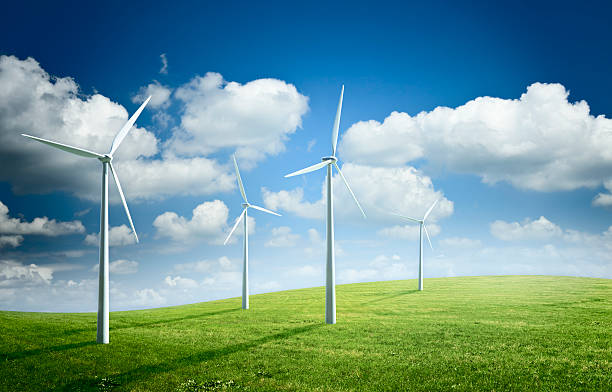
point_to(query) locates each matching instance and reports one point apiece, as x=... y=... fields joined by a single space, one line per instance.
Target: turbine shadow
x=400 y=294
x=27 y=353
x=150 y=323
x=147 y=370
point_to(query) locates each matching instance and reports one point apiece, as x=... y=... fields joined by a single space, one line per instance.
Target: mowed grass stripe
x=467 y=333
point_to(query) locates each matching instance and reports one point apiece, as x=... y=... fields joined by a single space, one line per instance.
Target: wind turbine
x=103 y=294
x=245 y=265
x=422 y=226
x=330 y=285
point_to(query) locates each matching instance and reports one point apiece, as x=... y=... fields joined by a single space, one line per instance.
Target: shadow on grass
x=400 y=294
x=36 y=351
x=119 y=324
x=148 y=370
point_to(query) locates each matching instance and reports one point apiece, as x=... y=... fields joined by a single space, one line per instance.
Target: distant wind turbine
x=245 y=266
x=330 y=286
x=103 y=294
x=422 y=226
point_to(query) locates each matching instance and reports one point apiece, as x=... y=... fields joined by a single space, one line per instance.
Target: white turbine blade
x=264 y=210
x=309 y=169
x=234 y=228
x=337 y=123
x=126 y=128
x=125 y=206
x=429 y=210
x=239 y=180
x=350 y=190
x=65 y=147
x=427 y=234
x=406 y=217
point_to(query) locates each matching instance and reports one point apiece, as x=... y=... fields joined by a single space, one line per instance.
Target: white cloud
x=160 y=95
x=164 y=60
x=10 y=240
x=282 y=237
x=181 y=283
x=409 y=231
x=540 y=141
x=380 y=190
x=15 y=273
x=36 y=103
x=120 y=267
x=117 y=236
x=208 y=223
x=604 y=199
x=255 y=118
x=205 y=266
x=147 y=298
x=266 y=287
x=38 y=226
x=540 y=229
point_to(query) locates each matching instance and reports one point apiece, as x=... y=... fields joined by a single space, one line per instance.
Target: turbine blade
x=240 y=180
x=125 y=206
x=264 y=210
x=406 y=217
x=337 y=123
x=65 y=147
x=234 y=228
x=126 y=128
x=427 y=234
x=350 y=190
x=429 y=210
x=309 y=169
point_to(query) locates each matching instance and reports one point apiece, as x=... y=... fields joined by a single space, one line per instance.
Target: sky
x=500 y=111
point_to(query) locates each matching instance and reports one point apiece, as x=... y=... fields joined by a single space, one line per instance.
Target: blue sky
x=503 y=111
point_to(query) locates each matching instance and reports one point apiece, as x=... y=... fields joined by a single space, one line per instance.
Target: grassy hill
x=474 y=333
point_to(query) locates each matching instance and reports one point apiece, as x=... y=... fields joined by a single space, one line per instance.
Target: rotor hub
x=245 y=205
x=106 y=158
x=330 y=158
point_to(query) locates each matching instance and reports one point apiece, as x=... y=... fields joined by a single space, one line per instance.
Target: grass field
x=460 y=334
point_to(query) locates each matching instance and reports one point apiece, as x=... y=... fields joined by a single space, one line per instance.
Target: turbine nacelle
x=330 y=159
x=106 y=158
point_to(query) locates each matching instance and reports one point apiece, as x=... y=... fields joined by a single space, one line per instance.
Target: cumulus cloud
x=34 y=102
x=540 y=229
x=380 y=190
x=604 y=199
x=205 y=266
x=409 y=231
x=117 y=236
x=208 y=223
x=540 y=141
x=16 y=274
x=255 y=118
x=282 y=237
x=160 y=95
x=182 y=283
x=10 y=240
x=120 y=267
x=38 y=226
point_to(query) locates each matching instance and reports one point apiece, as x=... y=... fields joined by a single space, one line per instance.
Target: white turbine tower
x=103 y=296
x=245 y=266
x=422 y=226
x=330 y=285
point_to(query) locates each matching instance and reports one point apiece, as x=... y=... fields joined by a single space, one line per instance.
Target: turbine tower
x=245 y=265
x=422 y=226
x=330 y=272
x=106 y=159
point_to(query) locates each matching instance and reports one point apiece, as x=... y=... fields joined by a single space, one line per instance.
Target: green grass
x=474 y=333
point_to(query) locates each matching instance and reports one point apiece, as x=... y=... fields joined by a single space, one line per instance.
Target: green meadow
x=496 y=333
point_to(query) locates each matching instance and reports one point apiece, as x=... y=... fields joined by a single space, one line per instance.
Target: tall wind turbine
x=422 y=226
x=330 y=285
x=106 y=159
x=245 y=266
